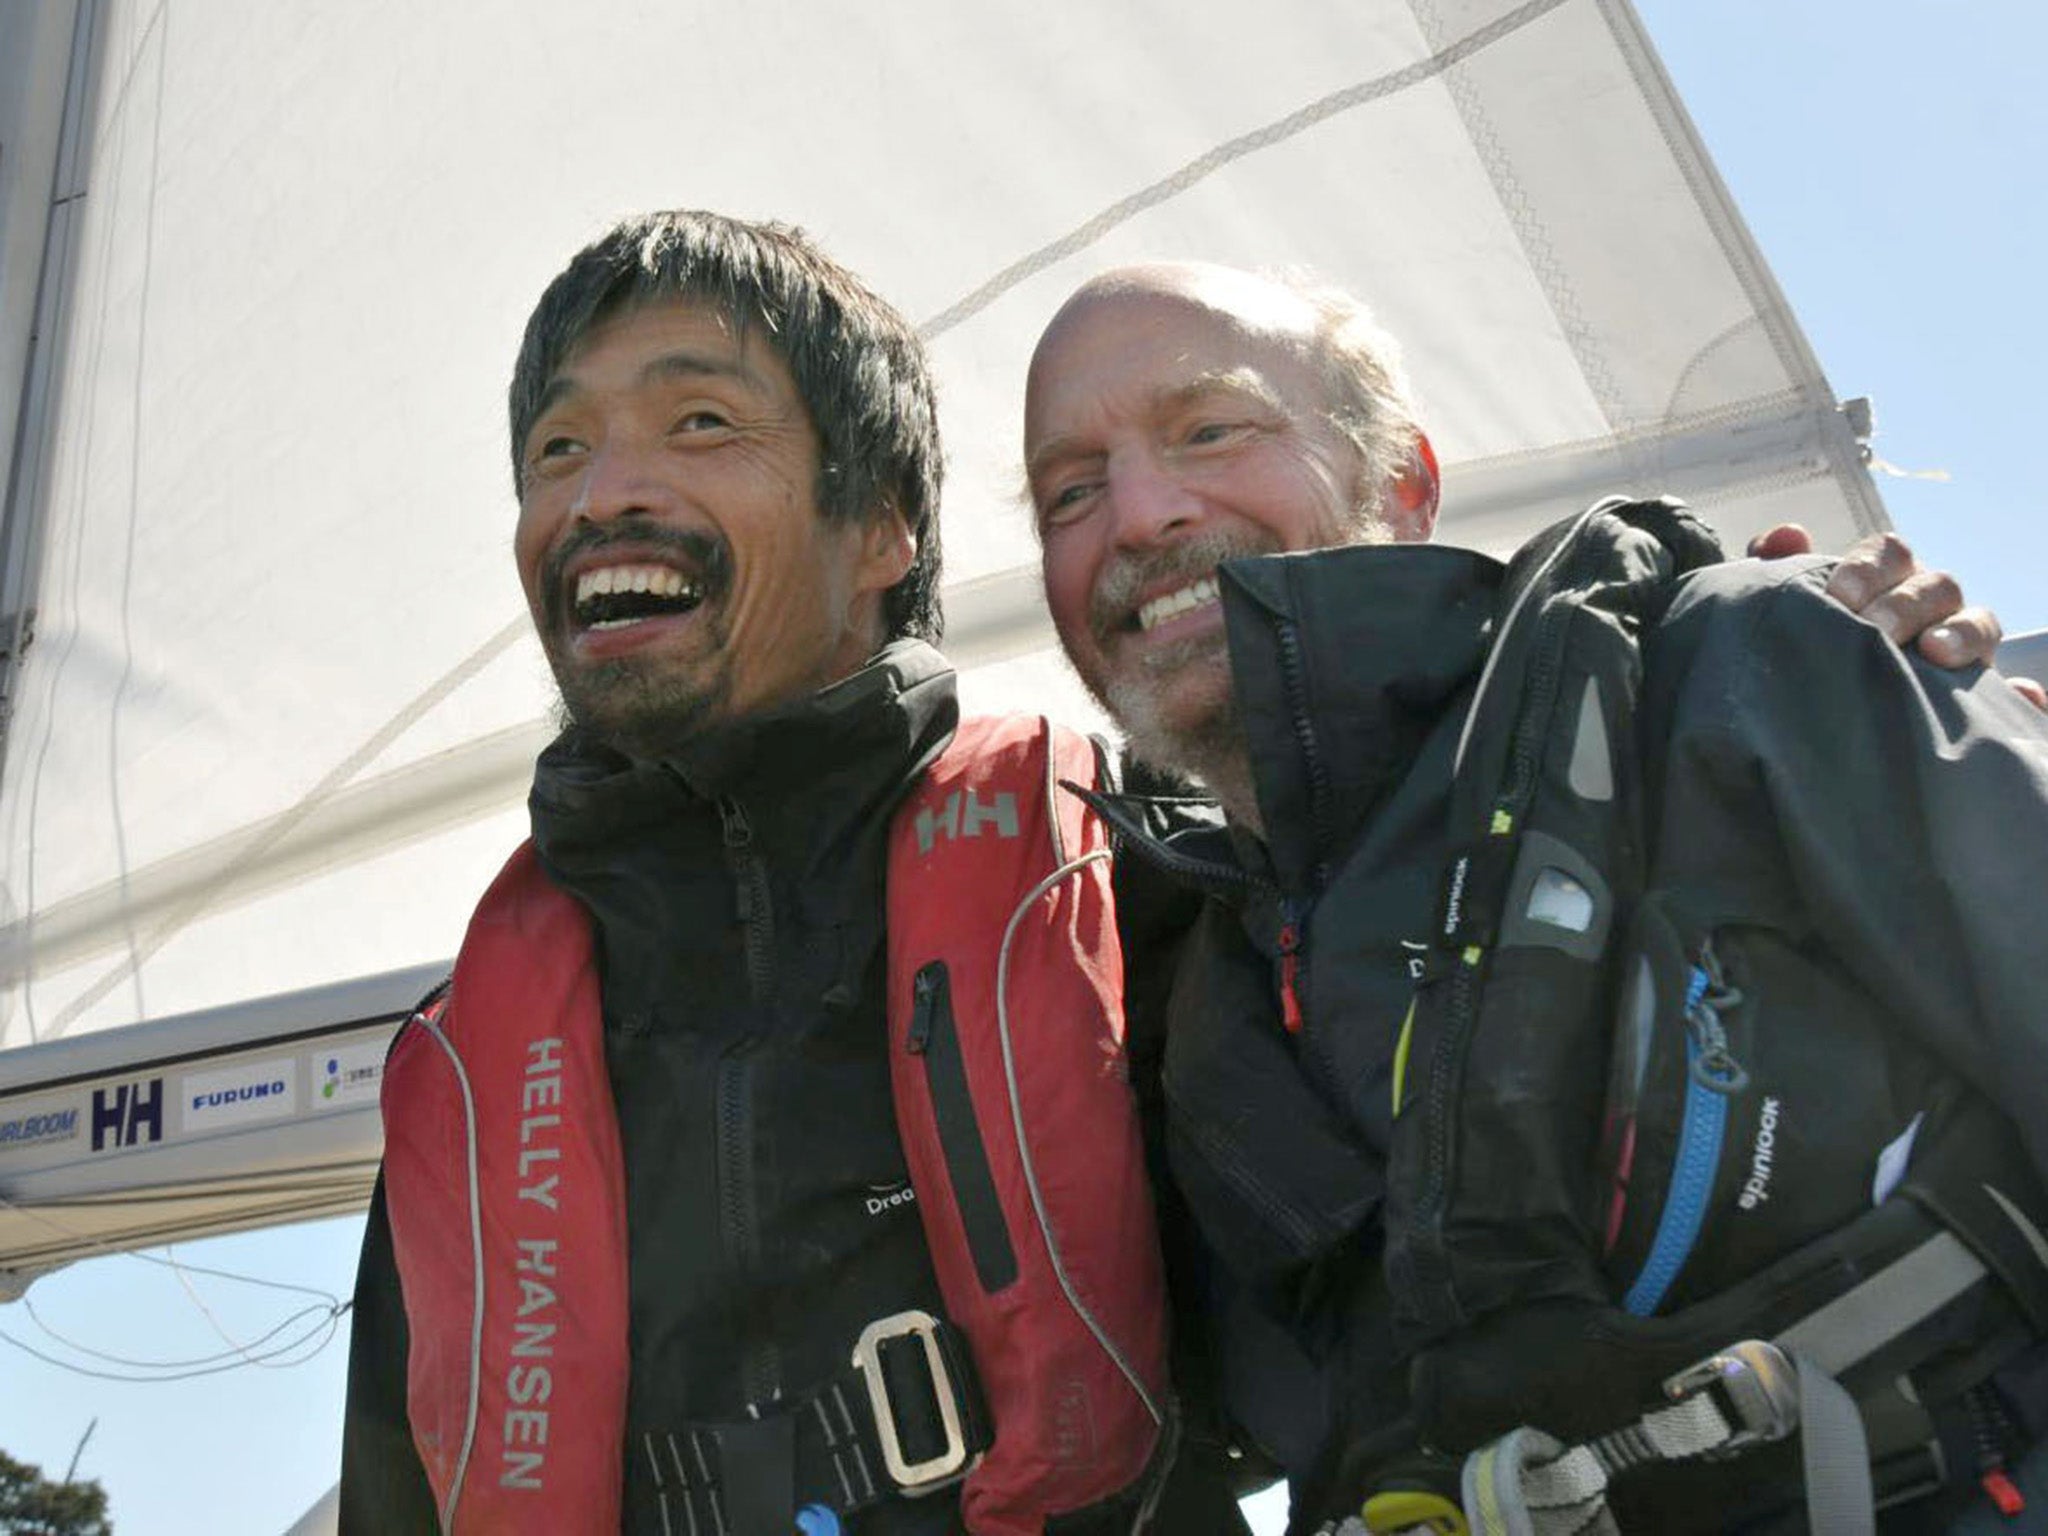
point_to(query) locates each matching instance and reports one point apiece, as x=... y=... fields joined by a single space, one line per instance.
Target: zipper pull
x=1993 y=1432
x=2004 y=1493
x=1290 y=971
x=732 y=824
x=738 y=837
x=1707 y=993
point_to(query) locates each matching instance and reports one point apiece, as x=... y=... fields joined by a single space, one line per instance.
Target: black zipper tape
x=934 y=1036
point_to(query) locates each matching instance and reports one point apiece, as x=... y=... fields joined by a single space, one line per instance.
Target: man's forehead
x=654 y=318
x=676 y=338
x=1229 y=297
x=1153 y=337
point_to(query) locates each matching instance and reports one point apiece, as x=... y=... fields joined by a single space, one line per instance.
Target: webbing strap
x=1892 y=1302
x=1834 y=1456
x=826 y=1448
x=1528 y=1483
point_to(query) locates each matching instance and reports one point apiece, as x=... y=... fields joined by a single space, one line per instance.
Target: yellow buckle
x=1411 y=1510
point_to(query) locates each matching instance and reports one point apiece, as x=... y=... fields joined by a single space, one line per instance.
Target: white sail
x=272 y=727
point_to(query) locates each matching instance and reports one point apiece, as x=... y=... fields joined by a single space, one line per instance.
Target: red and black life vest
x=506 y=1188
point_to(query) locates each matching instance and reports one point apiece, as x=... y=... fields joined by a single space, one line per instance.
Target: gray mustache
x=1115 y=597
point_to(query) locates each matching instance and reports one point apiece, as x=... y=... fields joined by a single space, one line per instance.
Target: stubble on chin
x=644 y=712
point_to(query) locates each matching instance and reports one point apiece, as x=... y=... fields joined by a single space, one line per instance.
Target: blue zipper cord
x=1700 y=1136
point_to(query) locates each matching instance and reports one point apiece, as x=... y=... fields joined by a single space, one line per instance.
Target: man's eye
x=699 y=421
x=556 y=447
x=1208 y=433
x=1067 y=502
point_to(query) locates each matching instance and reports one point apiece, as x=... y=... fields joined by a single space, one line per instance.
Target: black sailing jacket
x=738 y=900
x=1807 y=763
x=736 y=893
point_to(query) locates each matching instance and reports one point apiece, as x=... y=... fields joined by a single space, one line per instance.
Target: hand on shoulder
x=1880 y=579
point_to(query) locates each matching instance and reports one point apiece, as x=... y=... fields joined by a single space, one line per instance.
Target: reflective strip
x=476 y=1244
x=1591 y=773
x=1052 y=1246
x=1401 y=1054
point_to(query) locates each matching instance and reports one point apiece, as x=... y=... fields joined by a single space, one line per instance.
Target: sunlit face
x=1171 y=421
x=670 y=543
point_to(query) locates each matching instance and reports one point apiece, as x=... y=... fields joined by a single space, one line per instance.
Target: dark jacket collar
x=1343 y=661
x=808 y=774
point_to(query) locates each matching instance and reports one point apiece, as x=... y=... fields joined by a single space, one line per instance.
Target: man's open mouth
x=614 y=596
x=1171 y=605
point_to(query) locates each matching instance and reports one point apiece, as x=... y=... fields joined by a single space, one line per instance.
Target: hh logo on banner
x=130 y=1115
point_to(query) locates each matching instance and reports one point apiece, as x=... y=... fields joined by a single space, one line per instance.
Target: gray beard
x=1211 y=750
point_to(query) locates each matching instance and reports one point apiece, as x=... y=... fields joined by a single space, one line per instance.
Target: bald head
x=1261 y=304
x=1365 y=390
x=1181 y=414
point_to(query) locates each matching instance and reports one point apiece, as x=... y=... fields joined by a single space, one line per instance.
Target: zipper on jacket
x=760 y=1366
x=1992 y=1431
x=1418 y=1267
x=935 y=1036
x=760 y=1361
x=1294 y=681
x=1293 y=912
x=750 y=893
x=1422 y=1266
x=1290 y=969
x=1133 y=834
x=1545 y=673
x=1712 y=1076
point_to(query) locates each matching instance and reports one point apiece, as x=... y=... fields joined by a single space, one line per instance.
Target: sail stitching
x=1207 y=164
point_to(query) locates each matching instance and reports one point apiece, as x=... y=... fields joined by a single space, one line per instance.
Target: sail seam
x=1207 y=164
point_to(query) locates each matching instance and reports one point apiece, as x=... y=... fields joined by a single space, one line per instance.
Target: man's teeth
x=656 y=580
x=1160 y=609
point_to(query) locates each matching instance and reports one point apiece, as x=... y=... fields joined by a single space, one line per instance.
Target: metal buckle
x=951 y=1464
x=1757 y=1384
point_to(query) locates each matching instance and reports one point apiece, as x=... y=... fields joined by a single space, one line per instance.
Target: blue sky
x=1886 y=154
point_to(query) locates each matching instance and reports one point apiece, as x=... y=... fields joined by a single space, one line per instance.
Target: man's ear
x=1412 y=495
x=886 y=550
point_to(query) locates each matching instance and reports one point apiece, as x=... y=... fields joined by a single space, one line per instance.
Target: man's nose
x=618 y=481
x=1148 y=502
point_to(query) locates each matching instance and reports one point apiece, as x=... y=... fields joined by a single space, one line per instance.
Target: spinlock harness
x=1043 y=1392
x=1541 y=1309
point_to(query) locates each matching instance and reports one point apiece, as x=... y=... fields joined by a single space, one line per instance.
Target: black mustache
x=706 y=555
